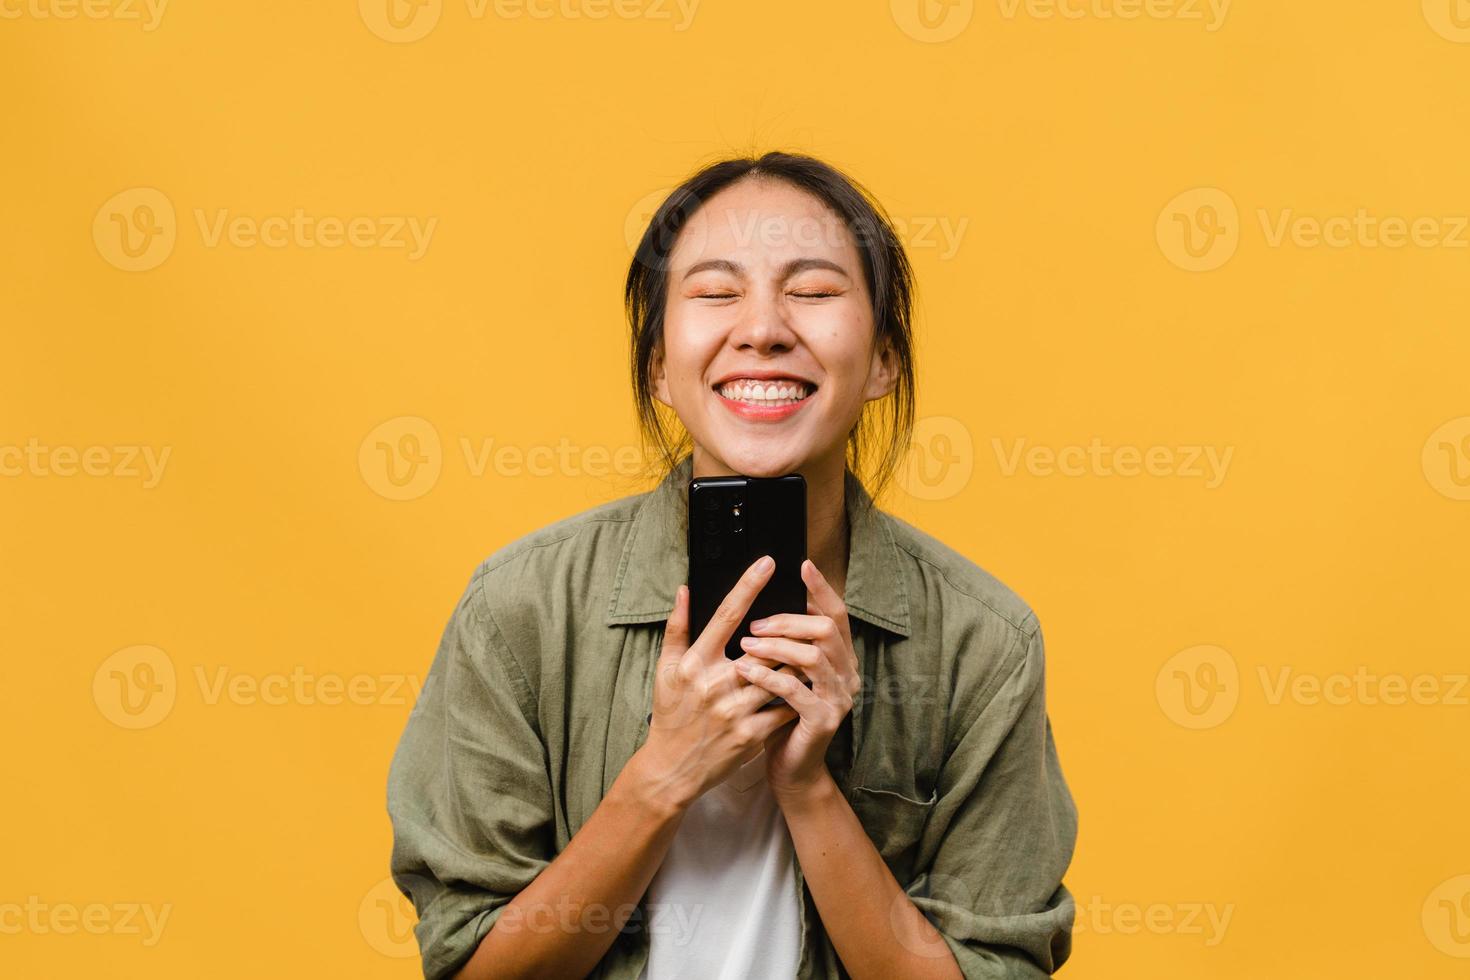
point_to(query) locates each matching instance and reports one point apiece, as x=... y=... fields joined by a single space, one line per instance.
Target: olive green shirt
x=541 y=690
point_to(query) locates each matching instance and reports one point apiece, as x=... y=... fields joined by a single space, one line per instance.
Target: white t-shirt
x=725 y=904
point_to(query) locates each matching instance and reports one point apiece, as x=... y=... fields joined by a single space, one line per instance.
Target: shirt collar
x=655 y=562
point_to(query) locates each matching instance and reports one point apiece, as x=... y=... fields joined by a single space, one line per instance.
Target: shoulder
x=564 y=542
x=567 y=552
x=955 y=583
x=968 y=627
x=536 y=591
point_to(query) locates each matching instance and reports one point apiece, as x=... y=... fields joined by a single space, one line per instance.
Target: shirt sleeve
x=1002 y=829
x=469 y=794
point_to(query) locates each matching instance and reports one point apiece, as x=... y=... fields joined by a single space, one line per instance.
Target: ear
x=657 y=377
x=882 y=372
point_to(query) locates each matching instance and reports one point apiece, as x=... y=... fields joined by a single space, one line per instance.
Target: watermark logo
x=1208 y=464
x=1199 y=230
x=36 y=459
x=1446 y=458
x=1198 y=687
x=676 y=920
x=406 y=21
x=679 y=13
x=1362 y=687
x=400 y=21
x=940 y=460
x=939 y=234
x=932 y=21
x=1446 y=917
x=1211 y=13
x=386 y=919
x=135 y=687
x=37 y=917
x=1450 y=19
x=640 y=216
x=135 y=229
x=303 y=230
x=636 y=221
x=1363 y=229
x=147 y=13
x=1201 y=686
x=937 y=889
x=402 y=458
x=1208 y=921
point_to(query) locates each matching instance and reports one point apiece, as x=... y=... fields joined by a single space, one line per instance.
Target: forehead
x=760 y=222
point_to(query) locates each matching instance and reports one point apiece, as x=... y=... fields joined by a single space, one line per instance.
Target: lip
x=767 y=375
x=763 y=413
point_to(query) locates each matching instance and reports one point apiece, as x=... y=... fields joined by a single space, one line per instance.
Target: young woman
x=584 y=789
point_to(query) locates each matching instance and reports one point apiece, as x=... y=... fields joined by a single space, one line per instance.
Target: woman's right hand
x=707 y=719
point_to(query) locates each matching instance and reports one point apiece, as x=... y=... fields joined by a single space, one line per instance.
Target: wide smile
x=765 y=399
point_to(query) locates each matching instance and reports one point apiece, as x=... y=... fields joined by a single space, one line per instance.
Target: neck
x=826 y=509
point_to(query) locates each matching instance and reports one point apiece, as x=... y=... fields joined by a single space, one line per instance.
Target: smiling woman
x=585 y=789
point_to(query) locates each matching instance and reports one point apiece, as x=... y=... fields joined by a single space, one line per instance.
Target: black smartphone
x=733 y=520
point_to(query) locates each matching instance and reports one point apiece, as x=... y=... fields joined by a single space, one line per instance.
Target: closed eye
x=801 y=295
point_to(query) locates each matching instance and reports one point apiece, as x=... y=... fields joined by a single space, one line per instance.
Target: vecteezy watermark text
x=123 y=462
x=136 y=230
x=138 y=686
x=1207 y=463
x=148 y=13
x=37 y=917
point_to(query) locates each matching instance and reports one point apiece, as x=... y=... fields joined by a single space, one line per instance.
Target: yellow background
x=1053 y=148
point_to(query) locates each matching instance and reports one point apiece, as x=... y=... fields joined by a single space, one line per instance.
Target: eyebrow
x=787 y=271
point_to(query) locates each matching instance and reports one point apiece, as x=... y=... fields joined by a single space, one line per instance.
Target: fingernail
x=749 y=642
x=765 y=563
x=757 y=625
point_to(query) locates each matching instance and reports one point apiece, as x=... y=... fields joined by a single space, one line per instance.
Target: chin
x=755 y=460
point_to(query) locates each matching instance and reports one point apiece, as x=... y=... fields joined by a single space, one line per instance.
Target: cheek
x=841 y=340
x=687 y=353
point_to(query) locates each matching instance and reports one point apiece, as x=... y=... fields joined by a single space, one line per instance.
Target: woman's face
x=768 y=353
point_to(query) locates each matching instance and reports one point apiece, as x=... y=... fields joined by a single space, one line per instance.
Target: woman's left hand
x=819 y=645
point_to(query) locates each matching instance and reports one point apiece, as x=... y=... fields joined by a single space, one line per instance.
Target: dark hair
x=885 y=266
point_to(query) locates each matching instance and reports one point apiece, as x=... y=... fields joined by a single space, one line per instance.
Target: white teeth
x=768 y=393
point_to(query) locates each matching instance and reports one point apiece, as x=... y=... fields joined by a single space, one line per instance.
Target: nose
x=763 y=326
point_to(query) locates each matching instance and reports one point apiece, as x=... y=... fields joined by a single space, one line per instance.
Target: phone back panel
x=733 y=520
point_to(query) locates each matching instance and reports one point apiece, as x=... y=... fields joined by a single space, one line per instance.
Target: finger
x=825 y=597
x=676 y=630
x=732 y=609
x=670 y=705
x=763 y=723
x=751 y=695
x=763 y=661
x=806 y=657
x=797 y=626
x=797 y=694
x=824 y=635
